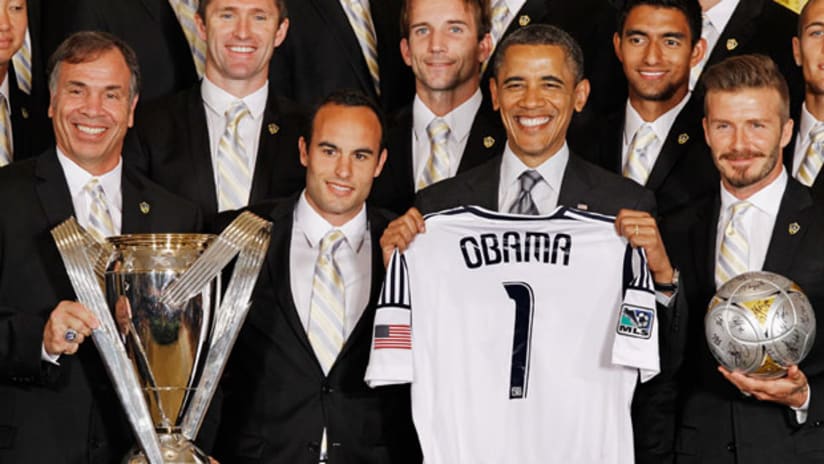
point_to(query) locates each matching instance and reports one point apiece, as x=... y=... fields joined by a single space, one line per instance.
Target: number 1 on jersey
x=521 y=294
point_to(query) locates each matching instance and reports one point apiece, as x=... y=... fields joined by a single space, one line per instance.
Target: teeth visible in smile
x=242 y=49
x=340 y=188
x=90 y=130
x=652 y=74
x=530 y=122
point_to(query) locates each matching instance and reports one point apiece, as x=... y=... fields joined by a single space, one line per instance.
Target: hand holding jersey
x=641 y=229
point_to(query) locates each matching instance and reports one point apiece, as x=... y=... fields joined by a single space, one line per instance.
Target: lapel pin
x=582 y=206
x=524 y=20
x=145 y=207
x=25 y=112
x=794 y=228
x=683 y=138
x=273 y=128
x=732 y=44
x=489 y=141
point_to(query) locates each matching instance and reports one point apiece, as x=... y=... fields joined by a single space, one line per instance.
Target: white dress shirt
x=545 y=193
x=661 y=127
x=354 y=258
x=719 y=15
x=803 y=139
x=216 y=102
x=459 y=121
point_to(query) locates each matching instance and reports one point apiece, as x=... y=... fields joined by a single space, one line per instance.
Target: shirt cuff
x=801 y=412
x=52 y=359
x=663 y=298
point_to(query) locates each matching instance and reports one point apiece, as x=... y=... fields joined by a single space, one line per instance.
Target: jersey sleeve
x=636 y=338
x=390 y=360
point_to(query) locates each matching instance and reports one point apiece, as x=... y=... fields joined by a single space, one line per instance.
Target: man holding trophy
x=56 y=401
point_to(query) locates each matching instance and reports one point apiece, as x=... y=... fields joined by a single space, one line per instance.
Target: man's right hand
x=67 y=315
x=400 y=233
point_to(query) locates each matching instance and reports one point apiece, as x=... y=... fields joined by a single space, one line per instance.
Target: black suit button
x=818 y=423
x=313 y=447
x=94 y=444
x=327 y=389
x=731 y=447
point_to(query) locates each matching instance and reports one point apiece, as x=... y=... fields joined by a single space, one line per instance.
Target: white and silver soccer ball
x=759 y=323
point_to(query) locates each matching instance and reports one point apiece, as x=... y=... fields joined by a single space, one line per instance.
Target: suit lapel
x=401 y=164
x=790 y=228
x=486 y=140
x=482 y=185
x=685 y=130
x=52 y=188
x=574 y=185
x=532 y=10
x=137 y=216
x=268 y=148
x=739 y=30
x=703 y=237
x=201 y=155
x=613 y=138
x=153 y=7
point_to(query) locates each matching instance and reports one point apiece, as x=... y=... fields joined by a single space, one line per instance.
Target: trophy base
x=176 y=449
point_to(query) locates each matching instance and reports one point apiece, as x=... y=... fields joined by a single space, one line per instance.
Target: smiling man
x=227 y=141
x=294 y=390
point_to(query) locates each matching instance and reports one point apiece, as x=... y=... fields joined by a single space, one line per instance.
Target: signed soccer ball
x=759 y=323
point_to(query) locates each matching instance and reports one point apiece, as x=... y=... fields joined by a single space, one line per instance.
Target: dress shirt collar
x=219 y=101
x=4 y=87
x=315 y=227
x=720 y=15
x=459 y=120
x=77 y=177
x=552 y=170
x=767 y=200
x=661 y=126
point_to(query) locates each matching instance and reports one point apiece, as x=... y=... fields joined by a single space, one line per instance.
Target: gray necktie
x=525 y=204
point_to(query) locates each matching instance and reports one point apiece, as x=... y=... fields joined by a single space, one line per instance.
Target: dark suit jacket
x=684 y=171
x=394 y=189
x=170 y=144
x=718 y=424
x=65 y=414
x=321 y=53
x=150 y=27
x=817 y=189
x=277 y=399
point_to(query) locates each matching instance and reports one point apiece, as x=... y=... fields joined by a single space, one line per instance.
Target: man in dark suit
x=803 y=156
x=448 y=128
x=191 y=142
x=56 y=402
x=294 y=390
x=657 y=139
x=323 y=53
x=731 y=417
x=150 y=27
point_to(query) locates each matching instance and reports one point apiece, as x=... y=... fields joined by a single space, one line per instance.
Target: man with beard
x=761 y=219
x=656 y=139
x=448 y=128
x=805 y=154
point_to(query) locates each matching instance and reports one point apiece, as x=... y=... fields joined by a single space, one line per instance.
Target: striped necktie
x=185 y=11
x=734 y=252
x=637 y=164
x=21 y=61
x=360 y=18
x=327 y=304
x=100 y=223
x=437 y=166
x=710 y=34
x=525 y=204
x=234 y=175
x=5 y=133
x=500 y=19
x=814 y=158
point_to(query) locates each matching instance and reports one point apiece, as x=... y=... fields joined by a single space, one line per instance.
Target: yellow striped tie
x=185 y=11
x=437 y=166
x=360 y=18
x=234 y=174
x=5 y=133
x=100 y=223
x=637 y=164
x=500 y=16
x=813 y=158
x=733 y=254
x=21 y=61
x=326 y=310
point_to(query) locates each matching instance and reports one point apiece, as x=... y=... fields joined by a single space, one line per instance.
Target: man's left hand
x=790 y=390
x=640 y=228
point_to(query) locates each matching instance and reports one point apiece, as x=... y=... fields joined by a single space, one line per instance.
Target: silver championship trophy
x=165 y=334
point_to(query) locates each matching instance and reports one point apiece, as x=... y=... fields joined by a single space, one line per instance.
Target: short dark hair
x=85 y=46
x=483 y=17
x=691 y=9
x=543 y=34
x=747 y=72
x=349 y=98
x=283 y=12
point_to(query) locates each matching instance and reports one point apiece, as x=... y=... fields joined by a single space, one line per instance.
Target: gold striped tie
x=499 y=15
x=5 y=133
x=100 y=223
x=437 y=166
x=327 y=304
x=814 y=158
x=21 y=61
x=734 y=252
x=185 y=11
x=234 y=174
x=360 y=18
x=637 y=165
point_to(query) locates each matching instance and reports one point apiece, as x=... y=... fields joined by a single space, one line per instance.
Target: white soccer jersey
x=523 y=337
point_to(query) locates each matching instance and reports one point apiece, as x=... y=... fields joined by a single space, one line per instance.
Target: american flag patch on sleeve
x=393 y=336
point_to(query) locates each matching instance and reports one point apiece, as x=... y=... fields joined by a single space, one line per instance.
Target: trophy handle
x=82 y=256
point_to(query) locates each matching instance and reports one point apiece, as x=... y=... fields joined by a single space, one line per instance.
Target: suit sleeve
x=21 y=339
